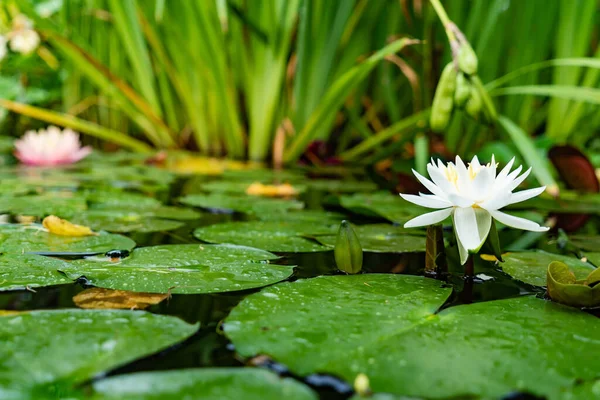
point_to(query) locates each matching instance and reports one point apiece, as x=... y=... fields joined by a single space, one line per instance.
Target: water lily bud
x=463 y=90
x=361 y=385
x=443 y=100
x=467 y=59
x=348 y=251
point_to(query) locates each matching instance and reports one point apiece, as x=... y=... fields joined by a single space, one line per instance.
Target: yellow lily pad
x=282 y=190
x=63 y=227
x=100 y=298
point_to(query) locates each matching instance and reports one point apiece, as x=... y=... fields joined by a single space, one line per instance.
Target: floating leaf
x=26 y=271
x=62 y=227
x=16 y=238
x=381 y=204
x=383 y=238
x=118 y=199
x=206 y=383
x=99 y=298
x=532 y=266
x=386 y=327
x=62 y=204
x=125 y=221
x=280 y=236
x=341 y=186
x=185 y=268
x=586 y=242
x=278 y=190
x=322 y=217
x=243 y=204
x=568 y=203
x=564 y=288
x=45 y=353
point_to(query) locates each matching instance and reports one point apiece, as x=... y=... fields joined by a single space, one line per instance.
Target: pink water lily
x=473 y=196
x=51 y=146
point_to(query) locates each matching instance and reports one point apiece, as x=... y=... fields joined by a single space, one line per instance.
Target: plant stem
x=441 y=13
x=469 y=268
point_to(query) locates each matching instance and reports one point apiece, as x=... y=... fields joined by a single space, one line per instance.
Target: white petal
x=429 y=218
x=497 y=201
x=462 y=252
x=440 y=179
x=472 y=226
x=464 y=181
x=493 y=166
x=429 y=201
x=525 y=195
x=482 y=183
x=519 y=180
x=460 y=201
x=429 y=185
x=475 y=163
x=517 y=222
x=504 y=172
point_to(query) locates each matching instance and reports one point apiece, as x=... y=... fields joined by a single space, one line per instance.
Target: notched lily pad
x=565 y=288
x=531 y=266
x=243 y=204
x=17 y=238
x=382 y=238
x=205 y=383
x=186 y=269
x=48 y=352
x=280 y=236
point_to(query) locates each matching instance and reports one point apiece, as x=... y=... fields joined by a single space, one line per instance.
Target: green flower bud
x=463 y=90
x=348 y=251
x=467 y=59
x=443 y=101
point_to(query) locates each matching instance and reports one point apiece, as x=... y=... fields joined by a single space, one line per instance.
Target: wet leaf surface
x=383 y=238
x=125 y=221
x=242 y=204
x=19 y=239
x=207 y=383
x=532 y=266
x=279 y=236
x=62 y=204
x=385 y=326
x=28 y=271
x=564 y=288
x=44 y=353
x=184 y=269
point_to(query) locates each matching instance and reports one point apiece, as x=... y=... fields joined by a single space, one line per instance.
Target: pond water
x=210 y=347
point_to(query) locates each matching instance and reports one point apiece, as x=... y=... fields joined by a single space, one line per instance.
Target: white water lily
x=23 y=38
x=472 y=196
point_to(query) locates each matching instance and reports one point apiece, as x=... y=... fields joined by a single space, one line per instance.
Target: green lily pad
x=237 y=187
x=583 y=391
x=61 y=204
x=280 y=236
x=124 y=221
x=381 y=204
x=322 y=217
x=382 y=238
x=185 y=268
x=341 y=186
x=586 y=242
x=205 y=384
x=24 y=271
x=564 y=288
x=17 y=238
x=593 y=257
x=532 y=266
x=264 y=175
x=44 y=353
x=117 y=199
x=244 y=204
x=385 y=326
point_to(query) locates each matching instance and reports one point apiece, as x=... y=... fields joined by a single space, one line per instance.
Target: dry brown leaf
x=100 y=298
x=63 y=227
x=283 y=190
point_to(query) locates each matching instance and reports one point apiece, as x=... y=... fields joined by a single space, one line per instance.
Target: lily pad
x=116 y=199
x=237 y=187
x=185 y=268
x=585 y=242
x=17 y=238
x=385 y=326
x=318 y=216
x=280 y=236
x=381 y=204
x=382 y=238
x=564 y=288
x=568 y=203
x=532 y=266
x=62 y=204
x=244 y=204
x=205 y=384
x=125 y=221
x=25 y=271
x=341 y=186
x=44 y=353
